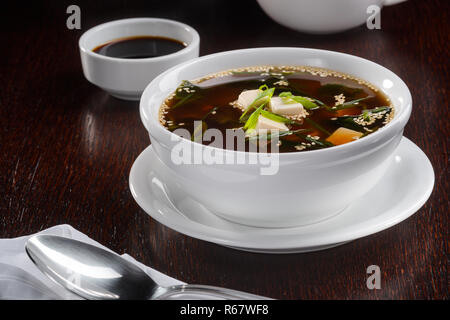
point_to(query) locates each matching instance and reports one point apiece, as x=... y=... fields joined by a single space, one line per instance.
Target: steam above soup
x=305 y=108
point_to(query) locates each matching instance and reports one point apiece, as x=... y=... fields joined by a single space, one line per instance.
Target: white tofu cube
x=247 y=97
x=278 y=106
x=264 y=123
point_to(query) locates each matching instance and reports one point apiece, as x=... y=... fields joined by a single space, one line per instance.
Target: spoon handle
x=217 y=292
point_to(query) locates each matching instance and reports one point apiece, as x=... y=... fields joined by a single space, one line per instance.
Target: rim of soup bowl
x=152 y=124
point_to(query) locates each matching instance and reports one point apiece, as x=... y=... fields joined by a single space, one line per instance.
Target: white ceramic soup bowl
x=322 y=16
x=309 y=186
x=127 y=78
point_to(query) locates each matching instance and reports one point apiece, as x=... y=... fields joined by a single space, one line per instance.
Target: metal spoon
x=95 y=273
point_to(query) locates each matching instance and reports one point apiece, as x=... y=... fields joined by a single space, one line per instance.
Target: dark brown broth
x=139 y=47
x=217 y=93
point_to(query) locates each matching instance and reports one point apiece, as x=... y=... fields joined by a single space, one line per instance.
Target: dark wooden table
x=66 y=148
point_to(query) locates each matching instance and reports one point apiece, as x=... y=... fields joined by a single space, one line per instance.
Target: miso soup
x=306 y=108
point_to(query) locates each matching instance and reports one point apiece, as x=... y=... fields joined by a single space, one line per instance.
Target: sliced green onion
x=366 y=115
x=306 y=102
x=348 y=104
x=253 y=119
x=198 y=130
x=275 y=117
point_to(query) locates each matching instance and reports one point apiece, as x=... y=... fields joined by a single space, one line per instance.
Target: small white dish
x=322 y=16
x=404 y=188
x=127 y=78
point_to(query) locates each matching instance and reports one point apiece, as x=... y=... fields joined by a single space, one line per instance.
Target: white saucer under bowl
x=402 y=191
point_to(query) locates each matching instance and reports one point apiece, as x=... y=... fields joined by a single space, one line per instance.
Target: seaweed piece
x=334 y=89
x=354 y=122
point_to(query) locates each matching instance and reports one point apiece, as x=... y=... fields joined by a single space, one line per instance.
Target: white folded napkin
x=21 y=279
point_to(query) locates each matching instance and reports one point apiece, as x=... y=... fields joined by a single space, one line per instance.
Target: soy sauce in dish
x=139 y=47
